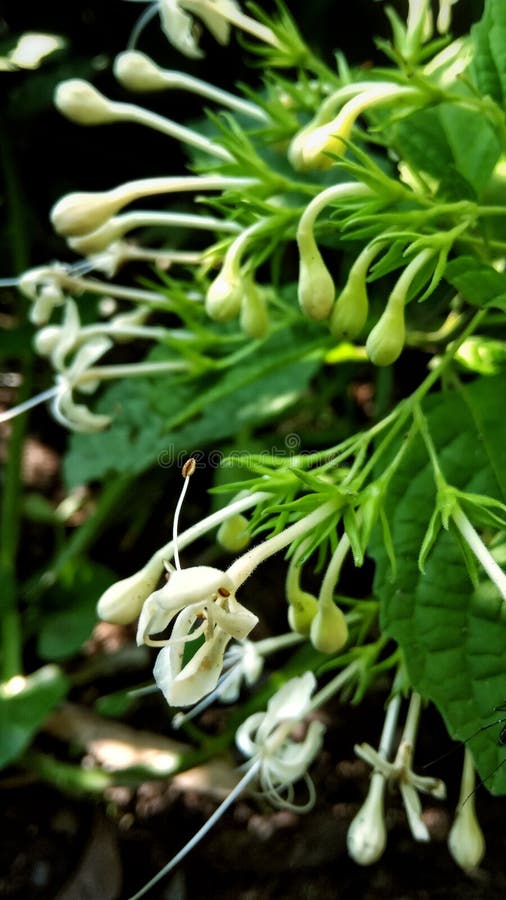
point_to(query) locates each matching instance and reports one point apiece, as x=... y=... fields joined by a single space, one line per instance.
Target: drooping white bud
x=122 y=602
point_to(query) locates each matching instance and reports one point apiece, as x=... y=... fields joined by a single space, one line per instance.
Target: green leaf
x=488 y=68
x=478 y=283
x=24 y=704
x=157 y=419
x=436 y=141
x=452 y=636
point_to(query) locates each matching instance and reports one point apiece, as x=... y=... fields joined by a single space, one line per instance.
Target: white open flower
x=202 y=600
x=266 y=739
x=181 y=29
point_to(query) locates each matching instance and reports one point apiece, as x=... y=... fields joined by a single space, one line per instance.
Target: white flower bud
x=329 y=631
x=78 y=213
x=137 y=72
x=46 y=340
x=367 y=835
x=79 y=101
x=122 y=602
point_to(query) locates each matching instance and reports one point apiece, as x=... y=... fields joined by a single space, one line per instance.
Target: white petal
x=179 y=28
x=198 y=678
x=76 y=416
x=292 y=701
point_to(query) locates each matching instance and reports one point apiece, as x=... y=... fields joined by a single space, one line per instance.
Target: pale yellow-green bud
x=46 y=340
x=254 y=318
x=137 y=72
x=316 y=290
x=386 y=340
x=225 y=294
x=233 y=534
x=329 y=631
x=78 y=213
x=122 y=602
x=324 y=140
x=79 y=101
x=95 y=241
x=352 y=306
x=301 y=612
x=350 y=311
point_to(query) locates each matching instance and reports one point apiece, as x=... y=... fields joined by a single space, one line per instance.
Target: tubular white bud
x=122 y=602
x=79 y=101
x=137 y=72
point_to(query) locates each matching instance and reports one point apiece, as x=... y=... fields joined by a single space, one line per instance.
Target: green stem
x=10 y=515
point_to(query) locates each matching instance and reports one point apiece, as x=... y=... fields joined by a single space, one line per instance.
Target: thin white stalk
x=29 y=404
x=186 y=82
x=483 y=555
x=201 y=833
x=131 y=113
x=389 y=727
x=111 y=290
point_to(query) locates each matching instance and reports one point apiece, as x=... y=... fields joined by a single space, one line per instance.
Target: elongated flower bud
x=316 y=288
x=122 y=602
x=225 y=294
x=352 y=306
x=79 y=101
x=367 y=835
x=329 y=631
x=465 y=841
x=254 y=318
x=233 y=534
x=137 y=72
x=386 y=340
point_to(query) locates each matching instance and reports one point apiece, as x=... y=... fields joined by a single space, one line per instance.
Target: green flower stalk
x=386 y=340
x=302 y=606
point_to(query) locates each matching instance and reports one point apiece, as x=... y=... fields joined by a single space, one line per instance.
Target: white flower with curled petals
x=266 y=739
x=203 y=603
